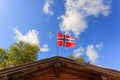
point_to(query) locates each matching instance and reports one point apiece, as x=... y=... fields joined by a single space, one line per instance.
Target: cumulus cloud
x=45 y=48
x=50 y=35
x=92 y=53
x=30 y=37
x=47 y=7
x=74 y=19
x=78 y=52
x=99 y=46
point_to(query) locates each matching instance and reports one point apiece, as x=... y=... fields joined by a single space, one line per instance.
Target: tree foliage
x=18 y=53
x=78 y=59
x=71 y=57
x=3 y=58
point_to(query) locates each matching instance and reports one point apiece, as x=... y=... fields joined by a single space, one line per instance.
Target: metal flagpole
x=57 y=43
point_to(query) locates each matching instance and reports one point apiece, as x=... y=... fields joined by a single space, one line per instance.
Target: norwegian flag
x=65 y=40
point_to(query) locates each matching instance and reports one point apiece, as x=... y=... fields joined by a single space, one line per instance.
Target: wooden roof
x=57 y=66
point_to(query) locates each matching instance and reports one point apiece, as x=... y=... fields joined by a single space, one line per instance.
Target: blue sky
x=94 y=24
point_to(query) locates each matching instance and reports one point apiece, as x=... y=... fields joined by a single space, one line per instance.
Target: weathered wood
x=58 y=68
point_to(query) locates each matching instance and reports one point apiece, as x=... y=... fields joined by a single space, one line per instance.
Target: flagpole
x=56 y=44
x=57 y=50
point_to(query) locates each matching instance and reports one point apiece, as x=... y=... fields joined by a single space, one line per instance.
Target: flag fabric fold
x=65 y=40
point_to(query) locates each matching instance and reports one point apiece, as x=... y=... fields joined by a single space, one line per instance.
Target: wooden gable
x=58 y=68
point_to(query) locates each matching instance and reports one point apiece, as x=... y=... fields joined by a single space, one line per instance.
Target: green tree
x=17 y=54
x=22 y=52
x=78 y=59
x=71 y=57
x=3 y=58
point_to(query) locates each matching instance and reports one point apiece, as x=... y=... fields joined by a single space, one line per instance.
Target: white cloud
x=99 y=46
x=92 y=53
x=74 y=19
x=50 y=35
x=44 y=48
x=78 y=52
x=30 y=37
x=47 y=7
